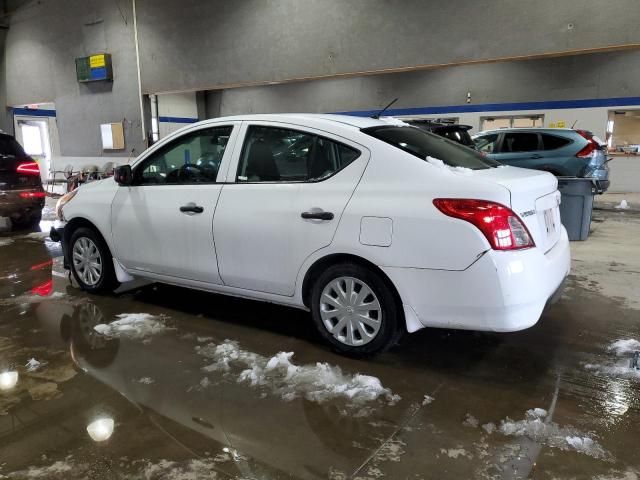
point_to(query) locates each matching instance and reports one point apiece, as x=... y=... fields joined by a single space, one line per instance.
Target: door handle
x=191 y=208
x=317 y=215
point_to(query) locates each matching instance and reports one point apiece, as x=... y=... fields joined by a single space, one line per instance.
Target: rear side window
x=422 y=144
x=274 y=154
x=520 y=142
x=551 y=142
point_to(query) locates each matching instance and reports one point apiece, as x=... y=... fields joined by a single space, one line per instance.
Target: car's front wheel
x=355 y=310
x=91 y=261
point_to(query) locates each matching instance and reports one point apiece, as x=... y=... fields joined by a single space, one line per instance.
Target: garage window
x=282 y=155
x=191 y=159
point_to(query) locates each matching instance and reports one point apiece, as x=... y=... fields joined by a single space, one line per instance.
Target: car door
x=162 y=223
x=520 y=149
x=288 y=190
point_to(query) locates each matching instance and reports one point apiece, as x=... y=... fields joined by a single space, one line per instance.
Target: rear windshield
x=10 y=148
x=422 y=144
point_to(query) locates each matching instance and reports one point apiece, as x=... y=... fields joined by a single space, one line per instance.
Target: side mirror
x=122 y=175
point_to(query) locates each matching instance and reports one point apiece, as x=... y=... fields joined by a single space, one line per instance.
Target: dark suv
x=21 y=193
x=452 y=131
x=561 y=151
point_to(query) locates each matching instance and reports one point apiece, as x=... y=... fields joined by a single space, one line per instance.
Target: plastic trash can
x=576 y=206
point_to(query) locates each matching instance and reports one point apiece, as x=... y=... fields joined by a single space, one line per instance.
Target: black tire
x=391 y=324
x=107 y=281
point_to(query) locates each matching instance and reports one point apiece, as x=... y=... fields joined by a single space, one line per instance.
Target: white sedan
x=376 y=227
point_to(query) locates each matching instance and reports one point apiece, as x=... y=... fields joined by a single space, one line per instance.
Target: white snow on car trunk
x=436 y=162
x=280 y=377
x=551 y=434
x=138 y=326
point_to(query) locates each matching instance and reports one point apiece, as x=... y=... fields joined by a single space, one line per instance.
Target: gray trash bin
x=577 y=205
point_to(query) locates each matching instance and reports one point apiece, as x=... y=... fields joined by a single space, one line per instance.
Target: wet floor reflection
x=175 y=382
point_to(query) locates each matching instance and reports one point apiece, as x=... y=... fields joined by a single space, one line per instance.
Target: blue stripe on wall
x=33 y=112
x=502 y=107
x=177 y=120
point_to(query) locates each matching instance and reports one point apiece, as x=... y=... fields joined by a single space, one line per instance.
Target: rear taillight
x=590 y=147
x=32 y=194
x=44 y=289
x=28 y=168
x=500 y=225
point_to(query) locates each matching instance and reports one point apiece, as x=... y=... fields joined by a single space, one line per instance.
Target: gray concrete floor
x=176 y=419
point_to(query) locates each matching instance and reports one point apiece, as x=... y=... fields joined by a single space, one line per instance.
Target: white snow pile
x=168 y=470
x=427 y=400
x=470 y=421
x=551 y=434
x=394 y=121
x=138 y=326
x=146 y=380
x=60 y=469
x=621 y=366
x=5 y=241
x=33 y=365
x=37 y=235
x=280 y=377
x=623 y=205
x=624 y=346
x=436 y=162
x=32 y=298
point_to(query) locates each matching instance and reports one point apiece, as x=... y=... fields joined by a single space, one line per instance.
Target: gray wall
x=601 y=75
x=198 y=45
x=44 y=39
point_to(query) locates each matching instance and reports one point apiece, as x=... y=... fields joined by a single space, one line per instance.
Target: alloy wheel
x=87 y=261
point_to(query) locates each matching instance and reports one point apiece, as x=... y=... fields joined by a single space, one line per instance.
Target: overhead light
x=8 y=380
x=101 y=429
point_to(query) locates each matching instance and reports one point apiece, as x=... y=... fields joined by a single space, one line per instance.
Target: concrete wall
x=175 y=111
x=44 y=39
x=218 y=43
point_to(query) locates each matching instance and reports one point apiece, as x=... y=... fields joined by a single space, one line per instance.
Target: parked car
x=21 y=193
x=563 y=152
x=376 y=227
x=452 y=131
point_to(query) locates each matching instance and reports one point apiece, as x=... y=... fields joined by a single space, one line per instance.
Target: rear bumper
x=13 y=206
x=500 y=292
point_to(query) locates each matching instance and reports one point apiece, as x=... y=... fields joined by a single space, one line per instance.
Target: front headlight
x=62 y=201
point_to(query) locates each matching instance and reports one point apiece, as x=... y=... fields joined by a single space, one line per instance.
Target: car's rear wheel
x=91 y=262
x=355 y=310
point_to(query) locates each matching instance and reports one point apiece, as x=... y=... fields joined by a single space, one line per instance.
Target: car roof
x=307 y=118
x=526 y=129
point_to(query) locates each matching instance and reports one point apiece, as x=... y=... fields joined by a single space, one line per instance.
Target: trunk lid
x=534 y=198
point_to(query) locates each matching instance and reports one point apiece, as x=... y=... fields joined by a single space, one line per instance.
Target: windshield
x=422 y=144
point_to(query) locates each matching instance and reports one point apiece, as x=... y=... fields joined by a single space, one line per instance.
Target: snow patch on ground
x=456 y=452
x=628 y=474
x=58 y=469
x=29 y=299
x=470 y=421
x=427 y=400
x=146 y=380
x=489 y=427
x=134 y=325
x=33 y=365
x=5 y=241
x=623 y=346
x=551 y=434
x=623 y=205
x=36 y=235
x=191 y=470
x=622 y=365
x=280 y=377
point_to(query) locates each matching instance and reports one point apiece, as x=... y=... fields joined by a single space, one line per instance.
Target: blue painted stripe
x=177 y=120
x=503 y=107
x=34 y=112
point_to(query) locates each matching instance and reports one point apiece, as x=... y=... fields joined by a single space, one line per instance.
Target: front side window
x=520 y=142
x=423 y=144
x=191 y=159
x=487 y=143
x=274 y=154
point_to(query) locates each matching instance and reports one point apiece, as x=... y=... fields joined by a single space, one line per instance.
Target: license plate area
x=550 y=222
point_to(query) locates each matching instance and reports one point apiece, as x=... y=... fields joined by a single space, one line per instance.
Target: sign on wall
x=94 y=68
